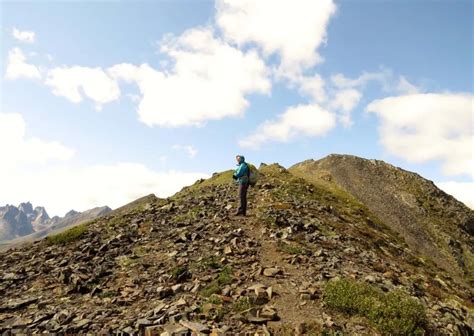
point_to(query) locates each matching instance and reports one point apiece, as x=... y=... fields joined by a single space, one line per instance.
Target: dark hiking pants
x=243 y=198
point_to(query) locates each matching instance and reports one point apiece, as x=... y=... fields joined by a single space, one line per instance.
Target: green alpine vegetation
x=393 y=313
x=69 y=235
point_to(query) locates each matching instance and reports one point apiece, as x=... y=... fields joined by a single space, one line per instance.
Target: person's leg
x=245 y=187
x=241 y=192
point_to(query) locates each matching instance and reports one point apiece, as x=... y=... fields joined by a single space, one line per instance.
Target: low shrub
x=67 y=236
x=393 y=313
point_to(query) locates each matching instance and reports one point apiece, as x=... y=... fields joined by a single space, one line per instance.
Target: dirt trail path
x=286 y=287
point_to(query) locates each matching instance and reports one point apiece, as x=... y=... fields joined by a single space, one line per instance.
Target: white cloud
x=75 y=82
x=23 y=36
x=131 y=73
x=17 y=148
x=41 y=172
x=311 y=86
x=163 y=158
x=342 y=100
x=462 y=191
x=342 y=82
x=192 y=152
x=345 y=101
x=17 y=66
x=87 y=187
x=208 y=81
x=345 y=93
x=424 y=127
x=292 y=29
x=405 y=87
x=306 y=120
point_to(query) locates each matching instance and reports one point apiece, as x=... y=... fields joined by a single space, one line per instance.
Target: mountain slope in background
x=313 y=257
x=433 y=223
x=57 y=224
x=25 y=223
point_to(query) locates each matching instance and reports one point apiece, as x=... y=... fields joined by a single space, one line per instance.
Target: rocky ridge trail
x=184 y=265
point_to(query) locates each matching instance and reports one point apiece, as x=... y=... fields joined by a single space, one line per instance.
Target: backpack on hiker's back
x=252 y=173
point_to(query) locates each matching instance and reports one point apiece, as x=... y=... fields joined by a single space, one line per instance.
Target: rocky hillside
x=23 y=224
x=433 y=223
x=310 y=259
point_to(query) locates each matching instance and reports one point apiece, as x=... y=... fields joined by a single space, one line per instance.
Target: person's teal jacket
x=241 y=172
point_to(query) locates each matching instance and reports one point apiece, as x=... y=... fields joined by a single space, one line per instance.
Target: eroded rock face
x=185 y=265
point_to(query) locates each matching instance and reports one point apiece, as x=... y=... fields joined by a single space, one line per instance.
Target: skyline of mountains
x=24 y=220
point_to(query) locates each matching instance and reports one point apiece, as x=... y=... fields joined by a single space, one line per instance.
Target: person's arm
x=240 y=171
x=233 y=174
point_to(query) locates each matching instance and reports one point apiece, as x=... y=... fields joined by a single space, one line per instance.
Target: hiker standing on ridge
x=241 y=174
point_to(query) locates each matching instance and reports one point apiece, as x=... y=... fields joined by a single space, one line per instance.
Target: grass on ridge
x=393 y=313
x=67 y=236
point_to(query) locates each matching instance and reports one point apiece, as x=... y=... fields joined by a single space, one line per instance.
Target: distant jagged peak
x=26 y=207
x=38 y=209
x=10 y=210
x=41 y=212
x=24 y=221
x=71 y=213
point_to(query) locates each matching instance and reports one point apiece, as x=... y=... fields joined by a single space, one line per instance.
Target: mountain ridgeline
x=23 y=223
x=434 y=224
x=337 y=246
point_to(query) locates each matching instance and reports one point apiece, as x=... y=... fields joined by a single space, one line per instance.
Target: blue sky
x=200 y=81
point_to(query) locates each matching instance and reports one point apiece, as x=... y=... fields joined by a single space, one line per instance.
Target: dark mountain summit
x=316 y=255
x=27 y=208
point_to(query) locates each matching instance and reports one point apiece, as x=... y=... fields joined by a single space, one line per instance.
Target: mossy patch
x=215 y=299
x=191 y=215
x=180 y=273
x=68 y=236
x=124 y=261
x=107 y=294
x=289 y=248
x=311 y=328
x=215 y=287
x=118 y=220
x=242 y=304
x=212 y=288
x=215 y=312
x=393 y=313
x=225 y=276
x=210 y=262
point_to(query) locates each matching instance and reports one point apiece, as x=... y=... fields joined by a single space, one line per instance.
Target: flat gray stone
x=195 y=326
